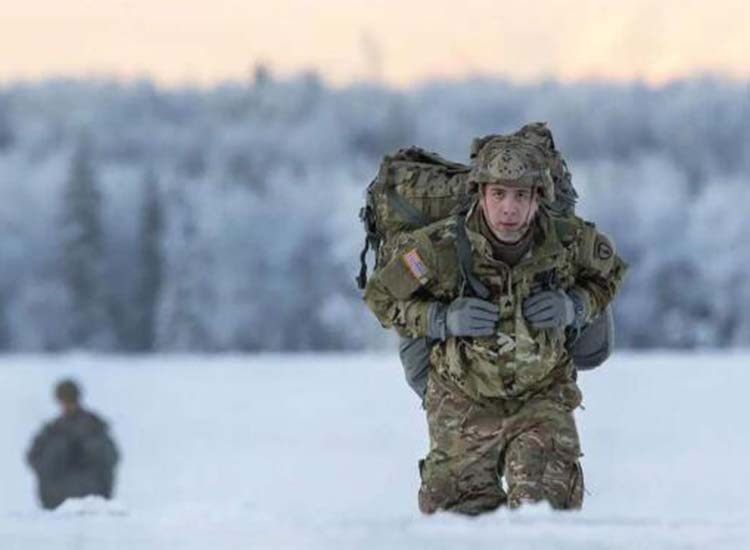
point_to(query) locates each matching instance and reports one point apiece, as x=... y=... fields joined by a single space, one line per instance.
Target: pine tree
x=151 y=268
x=90 y=323
x=5 y=339
x=186 y=300
x=7 y=136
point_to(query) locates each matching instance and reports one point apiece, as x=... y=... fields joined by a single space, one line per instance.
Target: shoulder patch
x=597 y=251
x=603 y=249
x=404 y=274
x=415 y=265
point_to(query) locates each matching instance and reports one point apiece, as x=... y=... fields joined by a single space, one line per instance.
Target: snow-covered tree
x=82 y=241
x=262 y=184
x=7 y=134
x=150 y=263
x=184 y=314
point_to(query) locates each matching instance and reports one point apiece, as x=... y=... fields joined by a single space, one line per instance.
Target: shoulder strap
x=566 y=227
x=463 y=251
x=410 y=214
x=372 y=239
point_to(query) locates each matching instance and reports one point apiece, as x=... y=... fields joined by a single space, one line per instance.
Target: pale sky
x=397 y=42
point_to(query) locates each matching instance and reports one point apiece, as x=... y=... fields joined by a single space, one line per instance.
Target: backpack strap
x=362 y=277
x=463 y=251
x=410 y=214
x=372 y=239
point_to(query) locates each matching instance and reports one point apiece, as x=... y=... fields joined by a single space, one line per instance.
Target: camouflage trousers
x=534 y=446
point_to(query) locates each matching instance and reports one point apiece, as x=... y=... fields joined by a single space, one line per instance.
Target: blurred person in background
x=74 y=454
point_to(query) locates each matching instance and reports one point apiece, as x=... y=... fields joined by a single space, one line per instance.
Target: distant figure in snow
x=73 y=455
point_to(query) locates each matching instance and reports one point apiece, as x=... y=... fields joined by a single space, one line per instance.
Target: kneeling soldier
x=74 y=455
x=502 y=386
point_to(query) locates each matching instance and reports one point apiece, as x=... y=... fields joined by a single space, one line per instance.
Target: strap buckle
x=505 y=343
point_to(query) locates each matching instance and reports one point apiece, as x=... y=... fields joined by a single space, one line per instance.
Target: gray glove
x=415 y=358
x=595 y=343
x=555 y=309
x=462 y=317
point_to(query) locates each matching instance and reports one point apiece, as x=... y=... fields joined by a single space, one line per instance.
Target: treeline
x=137 y=219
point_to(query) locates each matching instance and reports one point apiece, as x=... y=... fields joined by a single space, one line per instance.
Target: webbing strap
x=463 y=250
x=407 y=211
x=372 y=239
x=362 y=277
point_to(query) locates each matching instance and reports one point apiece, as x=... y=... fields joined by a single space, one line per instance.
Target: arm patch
x=597 y=251
x=404 y=274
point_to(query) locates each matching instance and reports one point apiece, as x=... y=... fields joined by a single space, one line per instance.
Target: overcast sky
x=398 y=42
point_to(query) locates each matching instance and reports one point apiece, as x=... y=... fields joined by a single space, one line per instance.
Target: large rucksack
x=414 y=188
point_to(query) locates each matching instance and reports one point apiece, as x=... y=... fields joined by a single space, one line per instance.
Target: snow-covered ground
x=320 y=451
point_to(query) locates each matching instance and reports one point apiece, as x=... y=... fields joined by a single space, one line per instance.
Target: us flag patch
x=416 y=265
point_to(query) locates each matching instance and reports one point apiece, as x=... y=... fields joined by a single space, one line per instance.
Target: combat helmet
x=511 y=161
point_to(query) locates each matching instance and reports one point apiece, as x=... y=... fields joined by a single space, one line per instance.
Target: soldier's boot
x=544 y=466
x=465 y=489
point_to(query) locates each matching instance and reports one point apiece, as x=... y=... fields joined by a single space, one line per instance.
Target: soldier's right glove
x=462 y=317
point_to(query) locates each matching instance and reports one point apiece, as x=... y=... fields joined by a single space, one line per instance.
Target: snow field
x=320 y=451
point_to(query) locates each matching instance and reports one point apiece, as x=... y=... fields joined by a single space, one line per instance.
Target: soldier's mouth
x=509 y=225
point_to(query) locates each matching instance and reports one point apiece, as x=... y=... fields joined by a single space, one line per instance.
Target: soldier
x=502 y=386
x=74 y=455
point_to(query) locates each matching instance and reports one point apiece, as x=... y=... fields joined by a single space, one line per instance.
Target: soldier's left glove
x=555 y=309
x=415 y=358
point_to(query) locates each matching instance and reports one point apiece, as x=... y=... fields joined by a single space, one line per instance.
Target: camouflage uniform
x=73 y=456
x=499 y=406
x=473 y=443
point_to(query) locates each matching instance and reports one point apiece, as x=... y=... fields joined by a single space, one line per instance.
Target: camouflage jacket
x=519 y=360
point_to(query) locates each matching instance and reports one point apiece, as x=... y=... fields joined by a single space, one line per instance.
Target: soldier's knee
x=434 y=494
x=432 y=499
x=562 y=478
x=560 y=484
x=472 y=493
x=479 y=503
x=437 y=489
x=578 y=489
x=520 y=493
x=540 y=466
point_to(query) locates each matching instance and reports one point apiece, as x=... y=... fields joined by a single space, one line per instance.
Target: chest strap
x=463 y=251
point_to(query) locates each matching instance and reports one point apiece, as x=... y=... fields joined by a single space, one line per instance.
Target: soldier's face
x=508 y=210
x=67 y=407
